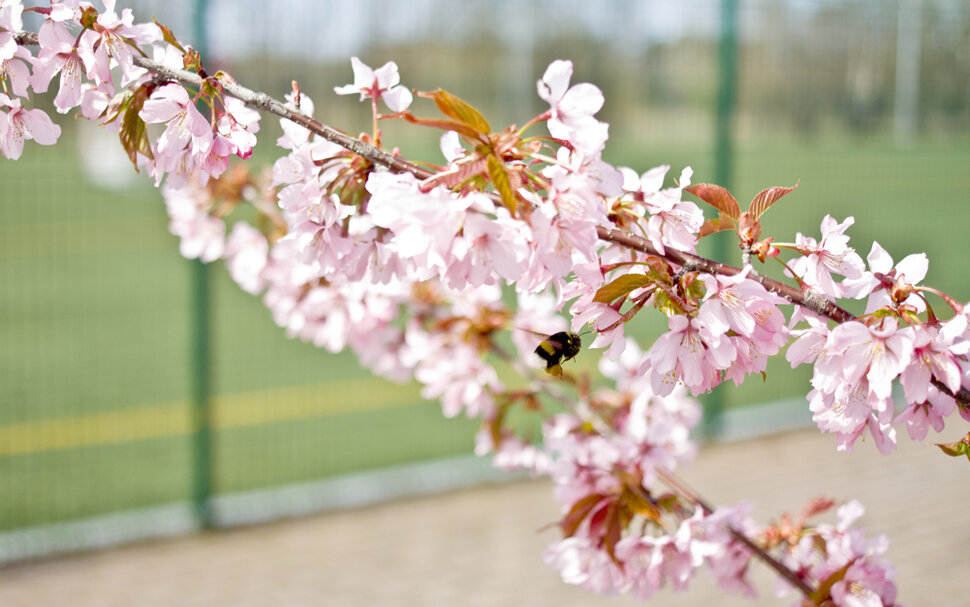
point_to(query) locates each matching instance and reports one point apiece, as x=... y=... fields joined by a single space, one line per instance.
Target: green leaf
x=717 y=197
x=500 y=179
x=621 y=287
x=765 y=198
x=663 y=303
x=459 y=110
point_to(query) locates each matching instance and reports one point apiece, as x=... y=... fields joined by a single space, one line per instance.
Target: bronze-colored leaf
x=712 y=226
x=458 y=109
x=717 y=197
x=578 y=513
x=638 y=503
x=621 y=286
x=618 y=516
x=168 y=35
x=765 y=198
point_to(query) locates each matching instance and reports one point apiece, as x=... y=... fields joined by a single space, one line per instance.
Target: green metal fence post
x=723 y=157
x=202 y=460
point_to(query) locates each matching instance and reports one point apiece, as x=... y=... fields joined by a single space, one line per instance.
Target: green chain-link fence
x=98 y=314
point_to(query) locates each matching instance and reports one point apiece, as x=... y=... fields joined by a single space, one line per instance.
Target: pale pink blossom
x=110 y=41
x=571 y=115
x=879 y=352
x=673 y=222
x=849 y=411
x=936 y=353
x=582 y=563
x=246 y=256
x=16 y=71
x=18 y=125
x=382 y=83
x=59 y=54
x=920 y=416
x=831 y=255
x=689 y=352
x=809 y=342
x=488 y=246
x=201 y=235
x=11 y=22
x=187 y=139
x=882 y=276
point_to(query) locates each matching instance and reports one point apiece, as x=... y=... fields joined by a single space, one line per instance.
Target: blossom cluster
x=417 y=269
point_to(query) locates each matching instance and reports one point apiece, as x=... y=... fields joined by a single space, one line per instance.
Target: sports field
x=95 y=322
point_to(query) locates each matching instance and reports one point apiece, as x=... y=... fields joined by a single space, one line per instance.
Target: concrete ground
x=483 y=546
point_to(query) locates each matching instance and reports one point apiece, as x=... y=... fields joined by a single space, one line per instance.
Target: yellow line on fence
x=230 y=411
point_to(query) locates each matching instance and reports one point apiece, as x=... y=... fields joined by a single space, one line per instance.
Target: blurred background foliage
x=95 y=313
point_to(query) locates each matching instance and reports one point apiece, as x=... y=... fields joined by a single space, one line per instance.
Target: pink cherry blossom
x=673 y=222
x=11 y=22
x=880 y=352
x=581 y=562
x=16 y=72
x=488 y=246
x=59 y=54
x=382 y=83
x=18 y=125
x=110 y=40
x=849 y=410
x=246 y=256
x=187 y=139
x=882 y=275
x=201 y=235
x=936 y=353
x=571 y=115
x=809 y=342
x=920 y=416
x=690 y=352
x=831 y=255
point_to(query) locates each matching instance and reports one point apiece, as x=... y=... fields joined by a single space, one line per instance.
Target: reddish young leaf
x=638 y=503
x=765 y=198
x=456 y=108
x=168 y=36
x=717 y=197
x=712 y=226
x=617 y=518
x=620 y=287
x=578 y=513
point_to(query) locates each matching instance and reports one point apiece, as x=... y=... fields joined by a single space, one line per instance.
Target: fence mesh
x=95 y=329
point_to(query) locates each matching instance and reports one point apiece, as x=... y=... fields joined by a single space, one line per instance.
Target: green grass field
x=95 y=322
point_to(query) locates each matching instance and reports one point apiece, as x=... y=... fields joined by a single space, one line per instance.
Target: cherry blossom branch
x=807 y=299
x=790 y=576
x=263 y=101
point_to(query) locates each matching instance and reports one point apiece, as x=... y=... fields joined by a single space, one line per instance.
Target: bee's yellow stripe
x=548 y=348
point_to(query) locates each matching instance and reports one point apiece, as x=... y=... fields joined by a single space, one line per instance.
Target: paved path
x=483 y=546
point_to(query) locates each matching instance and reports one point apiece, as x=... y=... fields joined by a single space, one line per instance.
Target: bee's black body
x=557 y=349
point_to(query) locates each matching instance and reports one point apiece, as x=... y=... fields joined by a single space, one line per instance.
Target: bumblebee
x=557 y=349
